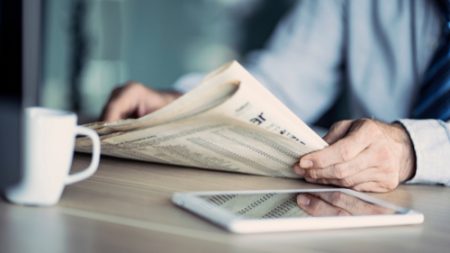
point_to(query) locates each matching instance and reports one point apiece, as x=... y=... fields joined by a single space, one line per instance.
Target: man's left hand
x=365 y=155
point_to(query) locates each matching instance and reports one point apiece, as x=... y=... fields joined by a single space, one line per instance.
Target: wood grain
x=125 y=207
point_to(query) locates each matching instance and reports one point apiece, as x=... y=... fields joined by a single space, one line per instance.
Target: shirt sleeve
x=187 y=82
x=431 y=140
x=301 y=63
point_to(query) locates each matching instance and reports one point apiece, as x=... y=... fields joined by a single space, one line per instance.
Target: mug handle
x=73 y=178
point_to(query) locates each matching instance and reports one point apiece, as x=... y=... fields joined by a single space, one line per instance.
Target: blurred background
x=93 y=46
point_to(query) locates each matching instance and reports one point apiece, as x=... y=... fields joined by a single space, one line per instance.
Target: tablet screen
x=281 y=205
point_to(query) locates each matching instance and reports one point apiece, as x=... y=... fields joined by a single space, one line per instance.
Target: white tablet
x=290 y=210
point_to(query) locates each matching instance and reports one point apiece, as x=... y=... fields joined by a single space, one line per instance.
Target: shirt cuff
x=431 y=140
x=188 y=82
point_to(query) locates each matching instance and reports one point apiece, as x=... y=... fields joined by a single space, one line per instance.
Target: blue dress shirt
x=379 y=50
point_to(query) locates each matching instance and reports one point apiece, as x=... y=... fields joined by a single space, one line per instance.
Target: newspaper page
x=230 y=122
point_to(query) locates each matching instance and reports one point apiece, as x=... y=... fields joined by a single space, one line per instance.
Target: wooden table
x=125 y=207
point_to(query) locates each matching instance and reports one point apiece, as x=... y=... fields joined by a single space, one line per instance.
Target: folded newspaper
x=229 y=122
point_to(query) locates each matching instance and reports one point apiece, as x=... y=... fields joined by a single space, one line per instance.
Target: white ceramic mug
x=49 y=140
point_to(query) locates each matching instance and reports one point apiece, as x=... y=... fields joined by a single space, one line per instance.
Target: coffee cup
x=48 y=147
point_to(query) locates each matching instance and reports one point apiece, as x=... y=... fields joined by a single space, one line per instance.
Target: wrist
x=407 y=165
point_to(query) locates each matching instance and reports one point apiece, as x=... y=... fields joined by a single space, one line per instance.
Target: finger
x=372 y=187
x=143 y=109
x=356 y=140
x=298 y=170
x=120 y=108
x=110 y=113
x=317 y=207
x=368 y=187
x=337 y=131
x=341 y=151
x=363 y=160
x=317 y=181
x=124 y=102
x=323 y=181
x=111 y=98
x=352 y=204
x=384 y=180
x=312 y=181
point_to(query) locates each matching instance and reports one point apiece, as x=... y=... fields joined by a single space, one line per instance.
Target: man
x=392 y=57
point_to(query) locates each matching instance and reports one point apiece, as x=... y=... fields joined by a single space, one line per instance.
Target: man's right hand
x=134 y=100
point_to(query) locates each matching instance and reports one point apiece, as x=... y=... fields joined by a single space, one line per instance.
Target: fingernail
x=299 y=171
x=303 y=200
x=306 y=164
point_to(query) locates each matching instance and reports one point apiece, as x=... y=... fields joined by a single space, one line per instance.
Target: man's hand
x=134 y=100
x=365 y=155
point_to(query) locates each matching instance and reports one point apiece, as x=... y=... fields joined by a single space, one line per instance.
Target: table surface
x=125 y=207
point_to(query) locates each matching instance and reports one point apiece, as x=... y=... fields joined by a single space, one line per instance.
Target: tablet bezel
x=238 y=224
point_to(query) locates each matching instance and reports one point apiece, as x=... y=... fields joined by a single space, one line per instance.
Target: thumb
x=337 y=131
